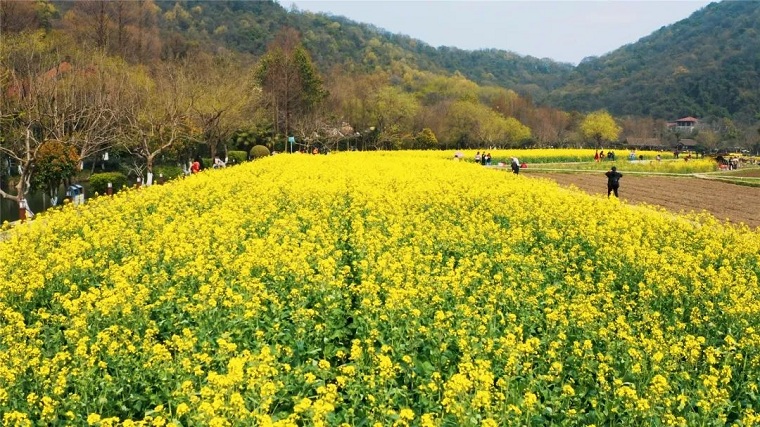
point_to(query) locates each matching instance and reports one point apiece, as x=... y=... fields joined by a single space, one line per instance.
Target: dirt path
x=734 y=203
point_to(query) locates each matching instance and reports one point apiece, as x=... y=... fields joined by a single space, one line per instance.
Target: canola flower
x=385 y=289
x=646 y=166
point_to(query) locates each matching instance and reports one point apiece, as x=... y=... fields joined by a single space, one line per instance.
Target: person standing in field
x=196 y=166
x=613 y=181
x=515 y=166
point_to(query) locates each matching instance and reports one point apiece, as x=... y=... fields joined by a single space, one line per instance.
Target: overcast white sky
x=566 y=31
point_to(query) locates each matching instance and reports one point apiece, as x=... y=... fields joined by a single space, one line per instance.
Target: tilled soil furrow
x=734 y=203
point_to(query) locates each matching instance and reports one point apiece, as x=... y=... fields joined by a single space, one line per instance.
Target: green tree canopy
x=288 y=76
x=56 y=163
x=470 y=124
x=393 y=112
x=425 y=140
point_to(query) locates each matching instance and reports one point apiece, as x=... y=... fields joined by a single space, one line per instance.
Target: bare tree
x=144 y=34
x=220 y=100
x=353 y=100
x=87 y=103
x=28 y=88
x=18 y=15
x=51 y=97
x=121 y=27
x=549 y=125
x=91 y=21
x=158 y=116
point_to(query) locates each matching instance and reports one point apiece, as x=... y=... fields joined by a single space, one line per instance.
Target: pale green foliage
x=393 y=106
x=477 y=125
x=393 y=113
x=498 y=130
x=354 y=98
x=707 y=139
x=434 y=88
x=221 y=100
x=600 y=126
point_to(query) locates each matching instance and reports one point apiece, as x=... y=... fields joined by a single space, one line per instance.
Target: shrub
x=99 y=182
x=259 y=151
x=234 y=157
x=425 y=139
x=55 y=164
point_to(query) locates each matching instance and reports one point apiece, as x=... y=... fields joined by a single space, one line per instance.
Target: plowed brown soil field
x=729 y=202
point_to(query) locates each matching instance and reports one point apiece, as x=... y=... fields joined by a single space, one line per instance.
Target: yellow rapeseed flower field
x=583 y=159
x=546 y=155
x=388 y=289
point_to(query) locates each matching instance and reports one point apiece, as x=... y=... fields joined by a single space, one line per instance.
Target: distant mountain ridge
x=705 y=65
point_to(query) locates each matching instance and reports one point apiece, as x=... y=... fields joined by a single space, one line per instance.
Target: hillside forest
x=162 y=82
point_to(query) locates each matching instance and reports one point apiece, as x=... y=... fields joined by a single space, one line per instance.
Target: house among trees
x=684 y=125
x=645 y=144
x=686 y=145
x=658 y=144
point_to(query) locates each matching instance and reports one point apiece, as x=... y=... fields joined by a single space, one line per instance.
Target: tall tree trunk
x=149 y=169
x=101 y=29
x=25 y=171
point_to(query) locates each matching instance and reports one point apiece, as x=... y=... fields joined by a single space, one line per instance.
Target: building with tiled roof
x=685 y=124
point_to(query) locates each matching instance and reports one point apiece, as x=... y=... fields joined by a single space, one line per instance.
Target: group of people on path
x=600 y=155
x=613 y=176
x=484 y=159
x=197 y=165
x=733 y=163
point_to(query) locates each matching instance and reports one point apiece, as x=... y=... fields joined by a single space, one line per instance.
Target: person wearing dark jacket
x=515 y=166
x=613 y=181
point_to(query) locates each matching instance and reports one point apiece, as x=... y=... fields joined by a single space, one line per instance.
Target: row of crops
x=376 y=289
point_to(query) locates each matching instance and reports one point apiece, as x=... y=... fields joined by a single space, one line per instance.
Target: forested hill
x=249 y=26
x=706 y=65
